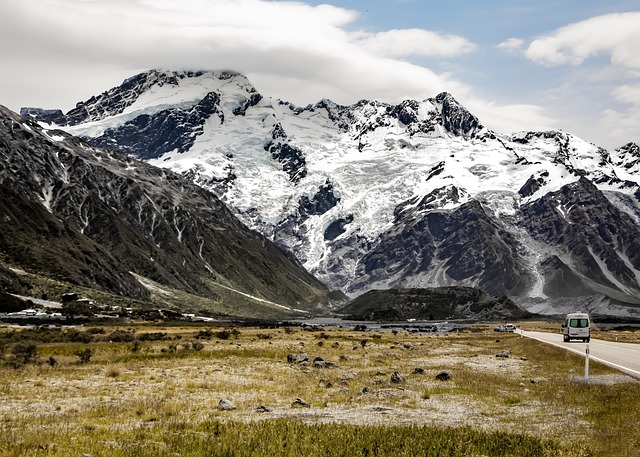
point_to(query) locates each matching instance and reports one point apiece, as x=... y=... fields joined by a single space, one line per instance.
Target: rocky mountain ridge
x=376 y=195
x=100 y=219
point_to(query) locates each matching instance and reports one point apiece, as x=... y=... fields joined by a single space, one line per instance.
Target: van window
x=579 y=323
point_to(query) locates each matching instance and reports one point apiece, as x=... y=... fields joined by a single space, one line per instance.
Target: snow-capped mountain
x=102 y=220
x=377 y=195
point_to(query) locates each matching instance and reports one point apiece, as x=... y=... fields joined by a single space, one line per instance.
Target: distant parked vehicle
x=505 y=328
x=576 y=326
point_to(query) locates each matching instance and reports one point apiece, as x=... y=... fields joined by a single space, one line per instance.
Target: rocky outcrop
x=291 y=158
x=431 y=303
x=456 y=118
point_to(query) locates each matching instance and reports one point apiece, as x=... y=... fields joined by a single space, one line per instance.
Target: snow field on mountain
x=281 y=169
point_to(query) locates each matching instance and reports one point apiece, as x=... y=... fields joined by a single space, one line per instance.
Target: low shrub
x=121 y=336
x=84 y=355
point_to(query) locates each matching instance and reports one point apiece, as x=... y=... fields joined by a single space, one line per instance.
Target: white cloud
x=628 y=93
x=511 y=44
x=613 y=87
x=615 y=34
x=283 y=41
x=58 y=52
x=510 y=118
x=623 y=122
x=417 y=42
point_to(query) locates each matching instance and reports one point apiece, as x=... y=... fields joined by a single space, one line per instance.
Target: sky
x=572 y=65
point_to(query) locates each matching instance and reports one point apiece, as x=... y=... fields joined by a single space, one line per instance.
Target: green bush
x=153 y=336
x=206 y=334
x=121 y=336
x=225 y=334
x=22 y=353
x=84 y=355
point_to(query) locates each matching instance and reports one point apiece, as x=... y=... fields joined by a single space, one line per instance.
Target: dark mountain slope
x=91 y=217
x=431 y=303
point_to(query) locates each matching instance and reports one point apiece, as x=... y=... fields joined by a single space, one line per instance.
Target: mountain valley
x=370 y=196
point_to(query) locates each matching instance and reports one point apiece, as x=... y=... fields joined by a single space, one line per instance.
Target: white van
x=577 y=326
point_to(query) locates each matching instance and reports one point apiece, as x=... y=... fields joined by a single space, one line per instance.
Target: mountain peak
x=184 y=88
x=456 y=118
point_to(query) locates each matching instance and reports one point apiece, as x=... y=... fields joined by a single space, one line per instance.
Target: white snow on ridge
x=373 y=161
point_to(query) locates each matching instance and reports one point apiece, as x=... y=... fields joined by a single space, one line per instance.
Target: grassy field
x=155 y=391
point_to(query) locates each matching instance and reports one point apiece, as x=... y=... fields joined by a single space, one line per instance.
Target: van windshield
x=579 y=323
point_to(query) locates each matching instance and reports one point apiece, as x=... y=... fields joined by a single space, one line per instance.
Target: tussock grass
x=283 y=438
x=159 y=401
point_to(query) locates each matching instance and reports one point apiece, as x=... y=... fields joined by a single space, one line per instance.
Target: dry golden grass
x=535 y=392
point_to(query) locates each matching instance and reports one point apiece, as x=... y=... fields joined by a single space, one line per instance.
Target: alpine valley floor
x=213 y=390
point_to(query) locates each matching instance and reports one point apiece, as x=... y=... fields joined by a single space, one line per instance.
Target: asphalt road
x=622 y=356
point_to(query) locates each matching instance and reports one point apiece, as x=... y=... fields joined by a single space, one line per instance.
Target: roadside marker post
x=586 y=363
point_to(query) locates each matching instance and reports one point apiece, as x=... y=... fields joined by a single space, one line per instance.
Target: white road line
x=629 y=371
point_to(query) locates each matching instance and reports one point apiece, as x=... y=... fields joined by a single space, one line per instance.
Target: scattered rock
x=300 y=403
x=348 y=377
x=407 y=346
x=381 y=373
x=524 y=359
x=335 y=345
x=382 y=408
x=418 y=370
x=397 y=378
x=366 y=390
x=444 y=375
x=504 y=354
x=297 y=358
x=319 y=362
x=225 y=405
x=263 y=409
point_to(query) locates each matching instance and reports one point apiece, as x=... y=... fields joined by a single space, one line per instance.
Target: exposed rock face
x=291 y=158
x=149 y=136
x=375 y=195
x=456 y=118
x=90 y=217
x=628 y=157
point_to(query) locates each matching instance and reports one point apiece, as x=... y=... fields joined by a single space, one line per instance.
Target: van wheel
x=565 y=338
x=587 y=340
